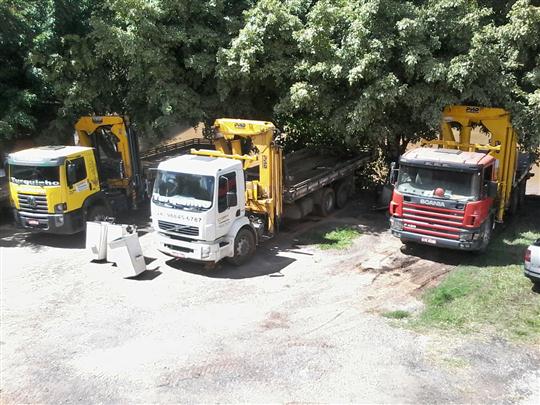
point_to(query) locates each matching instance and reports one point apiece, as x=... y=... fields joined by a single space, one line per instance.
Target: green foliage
x=334 y=238
x=398 y=314
x=19 y=83
x=152 y=60
x=346 y=73
x=379 y=71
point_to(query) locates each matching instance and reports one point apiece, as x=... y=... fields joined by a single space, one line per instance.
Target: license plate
x=429 y=240
x=33 y=222
x=179 y=255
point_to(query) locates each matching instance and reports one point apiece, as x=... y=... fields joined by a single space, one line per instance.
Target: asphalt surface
x=291 y=326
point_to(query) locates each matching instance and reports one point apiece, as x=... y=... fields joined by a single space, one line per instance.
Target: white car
x=532 y=262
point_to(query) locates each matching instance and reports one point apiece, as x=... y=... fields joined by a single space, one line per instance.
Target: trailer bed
x=307 y=171
x=151 y=158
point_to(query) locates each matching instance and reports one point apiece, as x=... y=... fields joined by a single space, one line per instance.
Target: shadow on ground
x=11 y=236
x=275 y=254
x=266 y=262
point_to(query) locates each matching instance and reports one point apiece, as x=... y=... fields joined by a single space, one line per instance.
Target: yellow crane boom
x=253 y=143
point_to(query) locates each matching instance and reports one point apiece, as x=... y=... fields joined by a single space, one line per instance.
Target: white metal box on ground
x=96 y=239
x=126 y=252
x=115 y=232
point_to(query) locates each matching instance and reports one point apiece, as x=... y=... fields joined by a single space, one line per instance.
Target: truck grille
x=33 y=203
x=177 y=228
x=432 y=221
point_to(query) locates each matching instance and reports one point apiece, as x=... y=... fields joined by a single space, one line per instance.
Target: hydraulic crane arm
x=253 y=143
x=502 y=142
x=92 y=130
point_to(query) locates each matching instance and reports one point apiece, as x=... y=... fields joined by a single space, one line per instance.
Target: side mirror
x=492 y=188
x=232 y=200
x=71 y=174
x=394 y=172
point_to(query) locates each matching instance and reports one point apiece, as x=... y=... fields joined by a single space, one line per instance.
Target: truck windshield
x=184 y=190
x=35 y=175
x=424 y=181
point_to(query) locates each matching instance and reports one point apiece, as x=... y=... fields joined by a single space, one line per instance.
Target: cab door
x=78 y=184
x=227 y=202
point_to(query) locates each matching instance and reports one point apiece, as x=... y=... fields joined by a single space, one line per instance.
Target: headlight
x=59 y=208
x=396 y=224
x=205 y=251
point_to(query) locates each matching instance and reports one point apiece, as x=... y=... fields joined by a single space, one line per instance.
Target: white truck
x=216 y=204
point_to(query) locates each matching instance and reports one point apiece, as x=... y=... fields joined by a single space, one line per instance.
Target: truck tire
x=244 y=247
x=327 y=202
x=486 y=235
x=97 y=213
x=342 y=194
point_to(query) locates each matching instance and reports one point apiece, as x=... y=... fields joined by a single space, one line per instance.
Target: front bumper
x=64 y=224
x=194 y=250
x=532 y=272
x=461 y=244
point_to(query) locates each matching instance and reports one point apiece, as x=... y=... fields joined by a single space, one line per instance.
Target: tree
x=349 y=73
x=152 y=60
x=21 y=86
x=379 y=72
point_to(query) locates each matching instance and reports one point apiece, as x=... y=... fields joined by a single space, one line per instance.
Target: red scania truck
x=451 y=192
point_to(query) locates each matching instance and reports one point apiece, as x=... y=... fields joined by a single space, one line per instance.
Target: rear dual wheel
x=327 y=203
x=343 y=190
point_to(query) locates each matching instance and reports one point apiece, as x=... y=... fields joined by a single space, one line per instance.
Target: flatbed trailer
x=306 y=171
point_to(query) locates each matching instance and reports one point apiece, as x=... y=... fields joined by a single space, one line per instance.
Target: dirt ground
x=297 y=324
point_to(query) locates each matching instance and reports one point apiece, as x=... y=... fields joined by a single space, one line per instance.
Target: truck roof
x=45 y=155
x=194 y=164
x=446 y=158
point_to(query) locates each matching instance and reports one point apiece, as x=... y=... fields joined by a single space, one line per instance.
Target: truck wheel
x=327 y=204
x=97 y=213
x=486 y=235
x=244 y=247
x=342 y=194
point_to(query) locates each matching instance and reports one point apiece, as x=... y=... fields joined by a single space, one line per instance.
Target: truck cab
x=56 y=189
x=52 y=186
x=444 y=197
x=198 y=209
x=450 y=192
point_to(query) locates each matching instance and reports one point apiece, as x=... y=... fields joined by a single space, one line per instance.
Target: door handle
x=237 y=213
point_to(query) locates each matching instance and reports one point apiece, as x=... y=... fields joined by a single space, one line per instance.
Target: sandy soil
x=297 y=324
